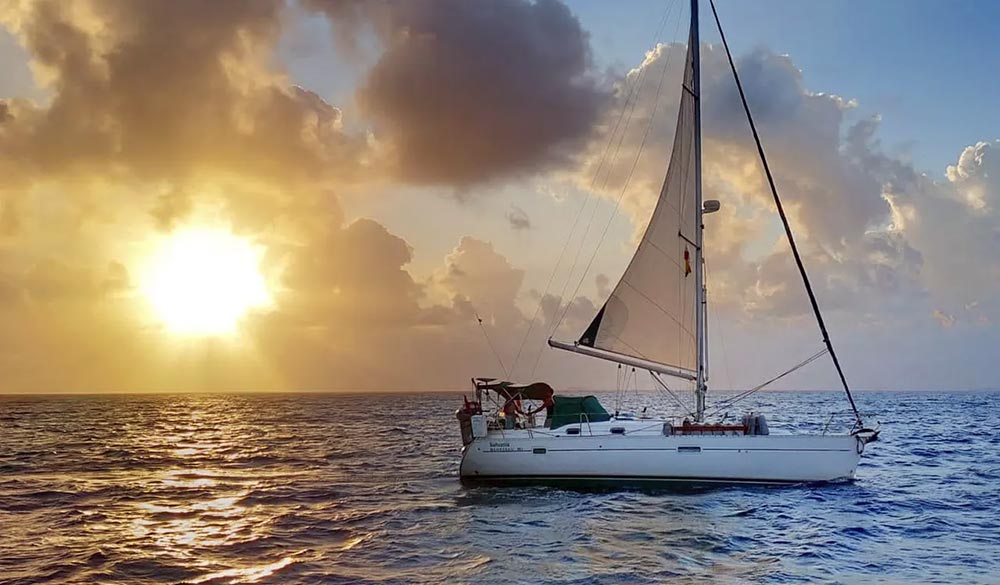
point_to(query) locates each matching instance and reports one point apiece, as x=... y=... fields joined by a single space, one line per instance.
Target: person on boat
x=548 y=405
x=510 y=410
x=513 y=412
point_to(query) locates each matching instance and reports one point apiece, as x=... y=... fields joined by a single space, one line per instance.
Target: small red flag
x=687 y=261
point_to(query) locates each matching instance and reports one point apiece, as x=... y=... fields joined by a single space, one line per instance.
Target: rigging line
x=620 y=396
x=724 y=404
x=548 y=284
x=661 y=309
x=684 y=407
x=617 y=204
x=633 y=385
x=618 y=388
x=628 y=180
x=660 y=386
x=479 y=320
x=632 y=91
x=633 y=381
x=593 y=212
x=629 y=376
x=784 y=221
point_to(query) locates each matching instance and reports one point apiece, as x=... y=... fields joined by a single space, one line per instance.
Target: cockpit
x=508 y=405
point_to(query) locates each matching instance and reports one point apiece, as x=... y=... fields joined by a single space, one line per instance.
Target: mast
x=646 y=321
x=699 y=276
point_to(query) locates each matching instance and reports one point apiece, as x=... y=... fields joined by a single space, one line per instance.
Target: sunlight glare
x=203 y=281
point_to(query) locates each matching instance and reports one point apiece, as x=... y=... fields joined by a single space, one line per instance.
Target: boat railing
x=529 y=424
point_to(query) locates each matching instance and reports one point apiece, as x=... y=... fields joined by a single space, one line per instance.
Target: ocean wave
x=215 y=489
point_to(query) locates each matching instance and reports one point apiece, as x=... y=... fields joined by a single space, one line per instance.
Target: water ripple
x=219 y=489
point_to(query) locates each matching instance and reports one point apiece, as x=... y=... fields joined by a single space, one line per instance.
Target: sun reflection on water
x=246 y=575
x=198 y=484
x=317 y=489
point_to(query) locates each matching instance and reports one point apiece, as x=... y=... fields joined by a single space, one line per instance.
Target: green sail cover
x=575 y=409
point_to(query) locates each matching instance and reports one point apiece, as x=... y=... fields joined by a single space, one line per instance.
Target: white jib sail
x=651 y=312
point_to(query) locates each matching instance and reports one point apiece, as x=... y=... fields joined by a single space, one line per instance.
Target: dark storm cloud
x=466 y=92
x=163 y=113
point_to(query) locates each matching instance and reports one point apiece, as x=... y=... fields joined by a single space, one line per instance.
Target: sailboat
x=655 y=319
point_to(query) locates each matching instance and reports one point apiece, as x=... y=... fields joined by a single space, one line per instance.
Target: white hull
x=644 y=454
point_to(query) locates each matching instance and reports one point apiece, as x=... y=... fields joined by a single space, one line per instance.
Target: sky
x=330 y=195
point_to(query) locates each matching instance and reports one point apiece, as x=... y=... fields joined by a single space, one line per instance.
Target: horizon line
x=438 y=391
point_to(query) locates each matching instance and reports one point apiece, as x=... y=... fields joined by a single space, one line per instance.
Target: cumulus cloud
x=161 y=113
x=167 y=112
x=475 y=271
x=956 y=227
x=829 y=173
x=357 y=271
x=883 y=242
x=364 y=322
x=971 y=176
x=467 y=92
x=167 y=91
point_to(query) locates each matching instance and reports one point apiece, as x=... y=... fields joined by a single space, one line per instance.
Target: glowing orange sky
x=440 y=185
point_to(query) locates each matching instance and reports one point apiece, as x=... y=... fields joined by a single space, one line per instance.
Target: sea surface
x=312 y=488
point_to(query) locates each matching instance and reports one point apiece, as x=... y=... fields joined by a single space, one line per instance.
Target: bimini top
x=535 y=391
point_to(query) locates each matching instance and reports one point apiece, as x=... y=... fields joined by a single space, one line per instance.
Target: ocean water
x=216 y=489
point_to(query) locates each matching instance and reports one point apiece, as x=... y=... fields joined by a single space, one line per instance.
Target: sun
x=204 y=281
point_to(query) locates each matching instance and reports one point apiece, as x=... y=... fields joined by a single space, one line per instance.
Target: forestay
x=651 y=314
